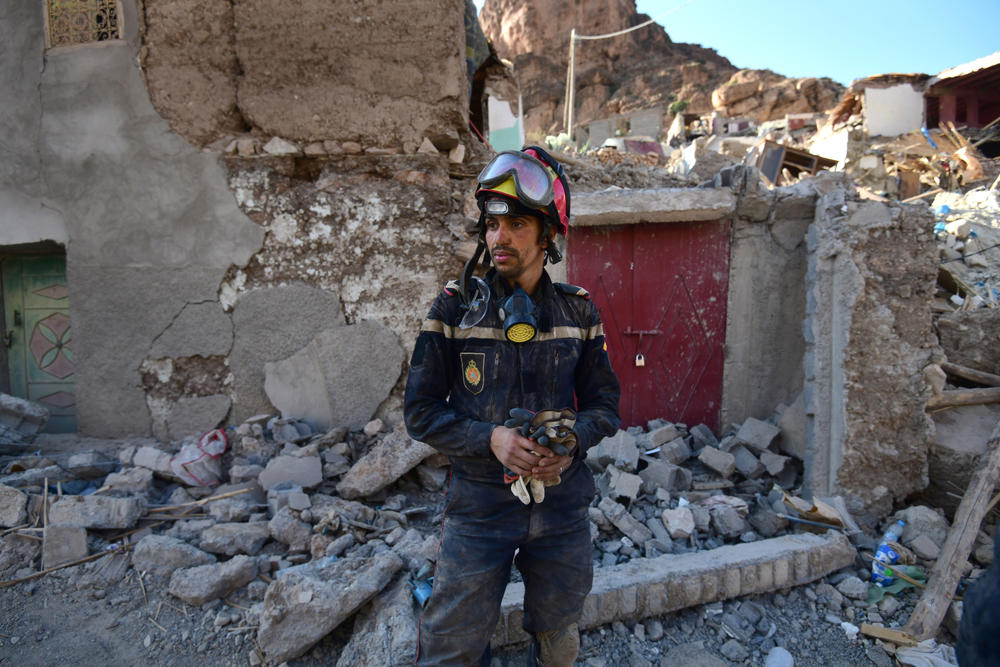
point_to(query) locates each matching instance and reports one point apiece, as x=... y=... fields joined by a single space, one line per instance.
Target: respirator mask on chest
x=518 y=315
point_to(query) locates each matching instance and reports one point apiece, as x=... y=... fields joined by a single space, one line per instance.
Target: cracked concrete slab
x=198 y=329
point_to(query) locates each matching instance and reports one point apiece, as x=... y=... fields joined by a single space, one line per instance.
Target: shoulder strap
x=572 y=290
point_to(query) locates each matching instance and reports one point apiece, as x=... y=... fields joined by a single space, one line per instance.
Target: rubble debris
x=235 y=538
x=204 y=583
x=63 y=543
x=383 y=464
x=162 y=555
x=385 y=631
x=305 y=603
x=13 y=504
x=20 y=420
x=96 y=511
x=304 y=471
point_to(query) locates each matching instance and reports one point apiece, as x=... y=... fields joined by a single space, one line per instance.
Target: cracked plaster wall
x=149 y=222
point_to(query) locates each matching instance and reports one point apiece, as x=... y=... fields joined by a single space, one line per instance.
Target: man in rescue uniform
x=510 y=378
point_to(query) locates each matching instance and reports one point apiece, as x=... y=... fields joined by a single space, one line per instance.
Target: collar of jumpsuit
x=512 y=240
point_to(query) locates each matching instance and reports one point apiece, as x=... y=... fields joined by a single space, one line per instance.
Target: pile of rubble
x=311 y=530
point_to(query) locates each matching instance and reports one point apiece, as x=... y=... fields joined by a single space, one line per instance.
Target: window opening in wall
x=82 y=21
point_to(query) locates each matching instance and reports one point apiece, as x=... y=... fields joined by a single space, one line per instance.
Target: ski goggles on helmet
x=532 y=179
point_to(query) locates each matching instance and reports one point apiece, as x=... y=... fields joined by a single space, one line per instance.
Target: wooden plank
x=887 y=634
x=922 y=195
x=955 y=397
x=964 y=372
x=948 y=568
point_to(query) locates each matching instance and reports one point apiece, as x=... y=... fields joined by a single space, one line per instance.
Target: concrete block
x=660 y=475
x=663 y=434
x=702 y=436
x=89 y=465
x=925 y=547
x=721 y=462
x=13 y=505
x=619 y=450
x=162 y=555
x=25 y=417
x=99 y=512
x=138 y=481
x=154 y=459
x=63 y=543
x=306 y=472
x=623 y=521
x=728 y=522
x=746 y=463
x=395 y=455
x=774 y=463
x=620 y=484
x=244 y=473
x=679 y=522
x=756 y=434
x=676 y=451
x=793 y=428
x=651 y=587
x=235 y=538
x=204 y=583
x=287 y=528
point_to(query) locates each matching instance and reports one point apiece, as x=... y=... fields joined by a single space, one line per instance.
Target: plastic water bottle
x=886 y=555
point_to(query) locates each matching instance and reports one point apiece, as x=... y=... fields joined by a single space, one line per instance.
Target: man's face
x=513 y=244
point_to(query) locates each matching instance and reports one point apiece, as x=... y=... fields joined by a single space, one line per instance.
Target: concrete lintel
x=629 y=207
x=653 y=586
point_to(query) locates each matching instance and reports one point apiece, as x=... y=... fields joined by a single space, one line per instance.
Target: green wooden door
x=38 y=335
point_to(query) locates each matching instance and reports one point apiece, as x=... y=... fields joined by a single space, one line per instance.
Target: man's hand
x=521 y=455
x=549 y=468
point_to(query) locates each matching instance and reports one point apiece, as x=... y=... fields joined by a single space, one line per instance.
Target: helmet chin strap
x=465 y=286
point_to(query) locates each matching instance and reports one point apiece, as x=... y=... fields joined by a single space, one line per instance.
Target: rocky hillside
x=639 y=70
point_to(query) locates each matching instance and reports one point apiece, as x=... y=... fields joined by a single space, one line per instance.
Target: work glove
x=549 y=428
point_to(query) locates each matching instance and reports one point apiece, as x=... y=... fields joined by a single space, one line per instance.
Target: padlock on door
x=640 y=360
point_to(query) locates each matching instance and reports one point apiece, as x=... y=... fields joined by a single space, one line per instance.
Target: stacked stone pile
x=310 y=530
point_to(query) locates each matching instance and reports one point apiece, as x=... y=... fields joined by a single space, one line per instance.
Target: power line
x=636 y=27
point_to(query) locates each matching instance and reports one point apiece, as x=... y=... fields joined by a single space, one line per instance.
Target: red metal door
x=661 y=290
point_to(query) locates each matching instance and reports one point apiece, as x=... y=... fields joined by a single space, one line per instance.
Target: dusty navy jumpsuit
x=461 y=385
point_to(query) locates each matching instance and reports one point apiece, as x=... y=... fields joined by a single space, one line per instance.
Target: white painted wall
x=893 y=111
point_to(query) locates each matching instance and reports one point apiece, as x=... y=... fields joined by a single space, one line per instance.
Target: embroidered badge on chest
x=473 y=365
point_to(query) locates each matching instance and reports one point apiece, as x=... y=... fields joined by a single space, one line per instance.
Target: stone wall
x=383 y=74
x=872 y=272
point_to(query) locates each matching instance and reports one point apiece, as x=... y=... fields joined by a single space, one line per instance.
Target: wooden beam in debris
x=944 y=576
x=971 y=374
x=955 y=397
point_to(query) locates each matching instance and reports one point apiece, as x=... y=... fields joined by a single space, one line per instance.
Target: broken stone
x=26 y=418
x=727 y=521
x=189 y=531
x=13 y=504
x=427 y=147
x=228 y=510
x=457 y=154
x=853 y=588
x=63 y=543
x=756 y=434
x=286 y=528
x=702 y=518
x=617 y=484
x=306 y=472
x=663 y=434
x=99 y=512
x=623 y=521
x=922 y=520
x=679 y=522
x=89 y=465
x=374 y=427
x=431 y=478
x=36 y=477
x=204 y=583
x=138 y=481
x=619 y=450
x=793 y=428
x=676 y=451
x=304 y=604
x=279 y=146
x=235 y=538
x=775 y=463
x=702 y=436
x=154 y=459
x=746 y=463
x=767 y=522
x=314 y=149
x=385 y=631
x=297 y=500
x=383 y=464
x=286 y=430
x=340 y=545
x=244 y=473
x=925 y=547
x=723 y=463
x=660 y=475
x=162 y=555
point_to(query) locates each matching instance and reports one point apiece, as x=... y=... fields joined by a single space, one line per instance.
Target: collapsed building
x=200 y=225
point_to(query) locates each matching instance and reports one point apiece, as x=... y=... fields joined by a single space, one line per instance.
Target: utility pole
x=570 y=76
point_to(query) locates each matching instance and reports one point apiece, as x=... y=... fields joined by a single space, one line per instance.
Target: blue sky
x=844 y=40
